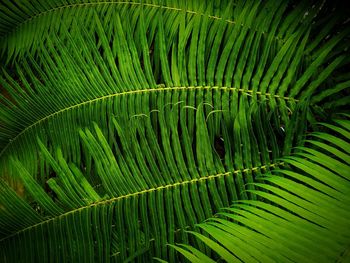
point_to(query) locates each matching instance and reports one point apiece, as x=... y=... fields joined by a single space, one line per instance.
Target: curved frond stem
x=149 y=90
x=203 y=179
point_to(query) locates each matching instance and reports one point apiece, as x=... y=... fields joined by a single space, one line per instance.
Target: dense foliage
x=133 y=131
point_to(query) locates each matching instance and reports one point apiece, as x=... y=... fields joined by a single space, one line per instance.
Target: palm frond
x=152 y=177
x=74 y=72
x=124 y=123
x=304 y=217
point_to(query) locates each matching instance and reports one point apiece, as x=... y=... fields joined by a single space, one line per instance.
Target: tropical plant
x=124 y=125
x=303 y=217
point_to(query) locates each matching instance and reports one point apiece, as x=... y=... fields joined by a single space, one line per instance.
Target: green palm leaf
x=125 y=123
x=72 y=66
x=306 y=220
x=142 y=180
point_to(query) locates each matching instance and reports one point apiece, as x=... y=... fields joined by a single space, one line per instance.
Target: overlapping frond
x=141 y=186
x=120 y=51
x=305 y=218
x=124 y=123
